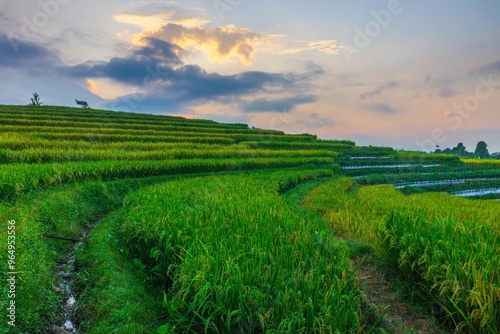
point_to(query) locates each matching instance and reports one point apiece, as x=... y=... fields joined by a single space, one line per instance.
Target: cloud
x=165 y=82
x=316 y=121
x=384 y=108
x=26 y=55
x=282 y=45
x=486 y=69
x=155 y=59
x=157 y=67
x=379 y=89
x=220 y=43
x=159 y=78
x=447 y=91
x=92 y=86
x=277 y=105
x=186 y=26
x=152 y=15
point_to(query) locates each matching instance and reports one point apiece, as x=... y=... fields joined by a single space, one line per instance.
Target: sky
x=407 y=74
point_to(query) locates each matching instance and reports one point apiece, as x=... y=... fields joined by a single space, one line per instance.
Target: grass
x=276 y=272
x=493 y=163
x=17 y=179
x=219 y=245
x=444 y=247
x=63 y=211
x=113 y=293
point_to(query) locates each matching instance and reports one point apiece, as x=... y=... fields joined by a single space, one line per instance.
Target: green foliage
x=232 y=257
x=21 y=178
x=64 y=211
x=35 y=100
x=444 y=246
x=481 y=150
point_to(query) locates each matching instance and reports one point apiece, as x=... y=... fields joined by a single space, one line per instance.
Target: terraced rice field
x=192 y=226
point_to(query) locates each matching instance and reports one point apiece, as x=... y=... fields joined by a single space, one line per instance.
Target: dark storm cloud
x=277 y=105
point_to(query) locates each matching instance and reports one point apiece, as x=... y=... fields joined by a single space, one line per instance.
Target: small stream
x=66 y=285
x=66 y=281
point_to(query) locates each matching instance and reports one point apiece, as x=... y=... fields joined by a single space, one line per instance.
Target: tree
x=459 y=149
x=482 y=150
x=35 y=100
x=83 y=104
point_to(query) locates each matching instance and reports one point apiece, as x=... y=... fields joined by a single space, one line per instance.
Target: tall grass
x=20 y=178
x=8 y=156
x=494 y=163
x=445 y=247
x=453 y=263
x=234 y=258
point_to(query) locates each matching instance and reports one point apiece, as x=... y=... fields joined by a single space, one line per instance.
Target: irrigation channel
x=476 y=192
x=389 y=166
x=66 y=280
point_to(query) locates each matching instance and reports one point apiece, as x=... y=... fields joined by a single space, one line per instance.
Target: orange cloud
x=152 y=15
x=219 y=43
x=186 y=27
x=283 y=46
x=92 y=86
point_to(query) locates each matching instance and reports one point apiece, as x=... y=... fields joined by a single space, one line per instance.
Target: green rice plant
x=232 y=257
x=445 y=248
x=297 y=145
x=107 y=116
x=490 y=163
x=158 y=132
x=44 y=120
x=20 y=178
x=104 y=138
x=32 y=155
x=453 y=263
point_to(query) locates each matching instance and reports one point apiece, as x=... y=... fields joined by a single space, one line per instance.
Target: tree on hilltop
x=35 y=100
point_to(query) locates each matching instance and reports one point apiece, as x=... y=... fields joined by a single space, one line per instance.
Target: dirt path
x=398 y=316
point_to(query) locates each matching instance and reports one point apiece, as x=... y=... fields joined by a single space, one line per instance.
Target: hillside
x=136 y=223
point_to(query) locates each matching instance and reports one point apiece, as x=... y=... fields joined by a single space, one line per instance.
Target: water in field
x=66 y=279
x=66 y=285
x=477 y=192
x=430 y=183
x=389 y=166
x=368 y=158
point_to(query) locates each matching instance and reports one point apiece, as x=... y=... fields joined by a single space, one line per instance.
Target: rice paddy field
x=117 y=222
